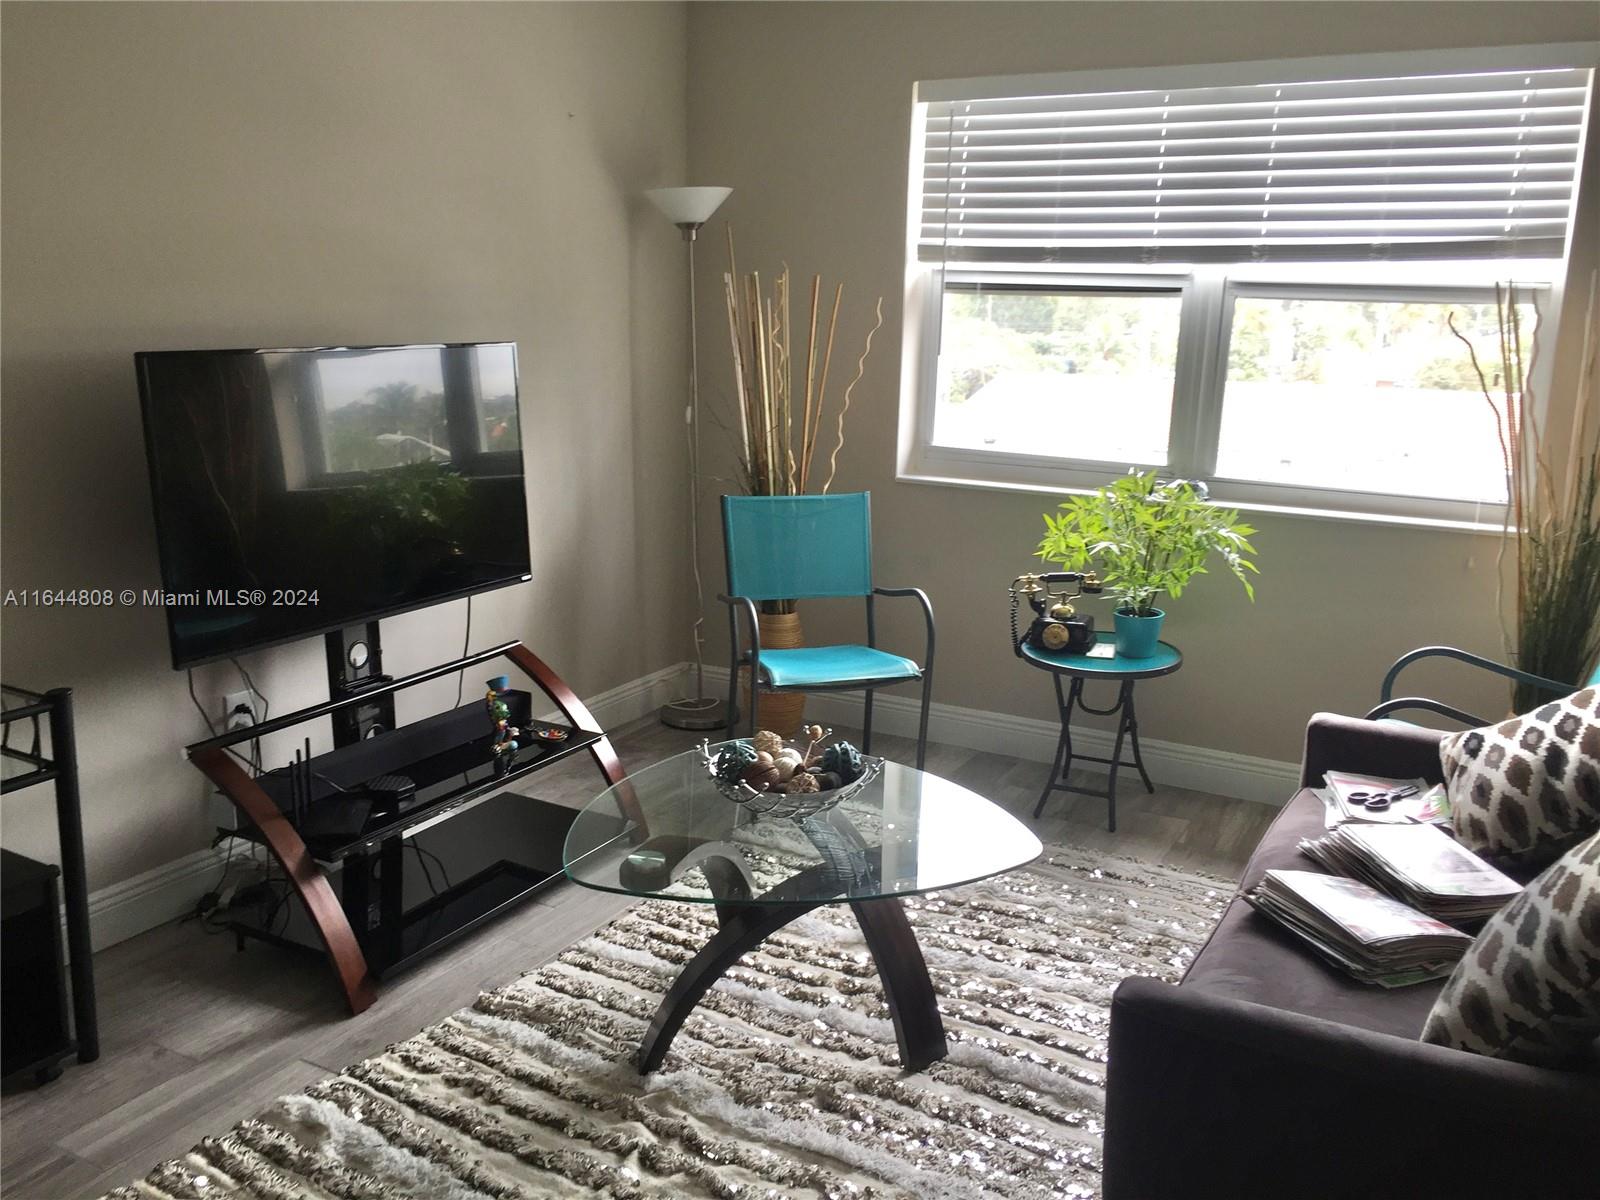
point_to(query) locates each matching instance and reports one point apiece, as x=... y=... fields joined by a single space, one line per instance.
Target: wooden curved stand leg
x=322 y=906
x=574 y=709
x=579 y=717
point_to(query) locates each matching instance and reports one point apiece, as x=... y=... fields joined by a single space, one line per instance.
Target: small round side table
x=1080 y=668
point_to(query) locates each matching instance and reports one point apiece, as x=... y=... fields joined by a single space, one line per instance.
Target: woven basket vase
x=780 y=712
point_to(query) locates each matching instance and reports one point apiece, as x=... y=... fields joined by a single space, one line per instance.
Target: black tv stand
x=379 y=922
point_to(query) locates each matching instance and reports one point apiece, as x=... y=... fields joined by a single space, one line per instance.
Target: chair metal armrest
x=1475 y=660
x=735 y=604
x=1422 y=702
x=927 y=617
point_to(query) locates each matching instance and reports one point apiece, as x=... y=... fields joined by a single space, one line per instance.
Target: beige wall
x=290 y=174
x=803 y=109
x=204 y=175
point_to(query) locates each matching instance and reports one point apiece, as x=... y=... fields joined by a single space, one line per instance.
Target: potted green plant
x=1145 y=537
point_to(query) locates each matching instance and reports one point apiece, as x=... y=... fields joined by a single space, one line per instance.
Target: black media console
x=443 y=846
x=462 y=824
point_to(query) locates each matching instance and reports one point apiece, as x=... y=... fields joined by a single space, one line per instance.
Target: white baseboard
x=152 y=898
x=636 y=698
x=124 y=909
x=1199 y=768
x=165 y=893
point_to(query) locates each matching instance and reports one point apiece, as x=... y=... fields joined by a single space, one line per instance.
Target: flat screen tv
x=301 y=491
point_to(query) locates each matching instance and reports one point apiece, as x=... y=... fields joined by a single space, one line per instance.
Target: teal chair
x=1389 y=704
x=801 y=548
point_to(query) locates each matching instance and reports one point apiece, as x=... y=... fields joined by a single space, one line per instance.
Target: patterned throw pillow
x=1528 y=788
x=1528 y=989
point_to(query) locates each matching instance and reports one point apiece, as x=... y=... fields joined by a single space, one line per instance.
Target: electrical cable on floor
x=280 y=904
x=214 y=892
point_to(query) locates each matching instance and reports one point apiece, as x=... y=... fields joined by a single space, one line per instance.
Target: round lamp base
x=694 y=714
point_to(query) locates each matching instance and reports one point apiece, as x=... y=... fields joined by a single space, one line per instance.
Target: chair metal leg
x=866 y=724
x=922 y=725
x=731 y=729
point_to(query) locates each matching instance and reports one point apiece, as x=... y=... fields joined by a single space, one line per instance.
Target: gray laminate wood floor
x=197 y=1036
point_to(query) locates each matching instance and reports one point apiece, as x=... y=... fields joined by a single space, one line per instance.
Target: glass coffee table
x=667 y=832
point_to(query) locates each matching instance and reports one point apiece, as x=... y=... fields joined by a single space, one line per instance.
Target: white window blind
x=1462 y=165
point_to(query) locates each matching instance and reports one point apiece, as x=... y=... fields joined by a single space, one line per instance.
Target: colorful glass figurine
x=505 y=733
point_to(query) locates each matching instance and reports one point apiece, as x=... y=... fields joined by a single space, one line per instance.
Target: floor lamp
x=689 y=208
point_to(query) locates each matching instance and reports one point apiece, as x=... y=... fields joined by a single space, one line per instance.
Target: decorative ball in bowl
x=782 y=779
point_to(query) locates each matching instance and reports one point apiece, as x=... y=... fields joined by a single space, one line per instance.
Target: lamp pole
x=689 y=209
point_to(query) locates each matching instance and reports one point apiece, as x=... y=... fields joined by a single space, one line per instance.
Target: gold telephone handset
x=1056 y=627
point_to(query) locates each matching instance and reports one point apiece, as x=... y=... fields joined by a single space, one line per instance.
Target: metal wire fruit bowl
x=784 y=804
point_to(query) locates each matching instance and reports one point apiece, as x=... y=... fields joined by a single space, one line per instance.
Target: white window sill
x=1390 y=520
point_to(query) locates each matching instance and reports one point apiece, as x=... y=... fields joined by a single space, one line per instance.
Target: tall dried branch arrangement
x=781 y=427
x=1552 y=524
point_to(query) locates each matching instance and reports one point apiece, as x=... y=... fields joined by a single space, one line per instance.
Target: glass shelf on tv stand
x=373 y=917
x=447 y=778
x=454 y=772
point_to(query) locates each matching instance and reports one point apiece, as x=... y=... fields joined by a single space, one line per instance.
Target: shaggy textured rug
x=784 y=1082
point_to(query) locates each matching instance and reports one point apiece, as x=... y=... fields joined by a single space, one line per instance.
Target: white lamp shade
x=688 y=205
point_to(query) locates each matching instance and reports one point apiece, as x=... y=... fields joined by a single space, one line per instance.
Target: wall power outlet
x=234 y=700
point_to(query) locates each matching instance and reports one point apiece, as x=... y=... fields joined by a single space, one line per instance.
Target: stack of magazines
x=1415 y=800
x=1419 y=864
x=1374 y=938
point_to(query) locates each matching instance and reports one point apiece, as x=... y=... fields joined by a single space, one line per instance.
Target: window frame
x=1035 y=467
x=463 y=420
x=1205 y=327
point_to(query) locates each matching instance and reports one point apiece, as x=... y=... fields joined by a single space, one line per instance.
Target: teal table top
x=1167 y=659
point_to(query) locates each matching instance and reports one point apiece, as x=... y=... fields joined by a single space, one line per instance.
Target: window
x=1252 y=280
x=1360 y=394
x=382 y=410
x=343 y=413
x=1020 y=367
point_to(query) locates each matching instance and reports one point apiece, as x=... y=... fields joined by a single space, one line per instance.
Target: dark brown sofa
x=1265 y=1073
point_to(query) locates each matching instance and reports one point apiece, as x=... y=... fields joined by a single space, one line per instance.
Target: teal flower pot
x=1137 y=636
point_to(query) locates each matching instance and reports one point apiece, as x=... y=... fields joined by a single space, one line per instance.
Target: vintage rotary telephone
x=1056 y=625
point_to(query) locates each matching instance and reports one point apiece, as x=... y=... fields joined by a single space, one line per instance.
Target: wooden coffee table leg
x=743 y=929
x=912 y=1002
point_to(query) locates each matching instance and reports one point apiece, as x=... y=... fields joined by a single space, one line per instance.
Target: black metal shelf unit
x=25 y=768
